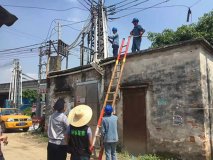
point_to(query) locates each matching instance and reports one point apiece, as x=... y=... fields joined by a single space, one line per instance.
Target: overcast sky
x=32 y=26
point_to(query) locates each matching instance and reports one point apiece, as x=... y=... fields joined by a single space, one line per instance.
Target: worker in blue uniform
x=114 y=40
x=137 y=33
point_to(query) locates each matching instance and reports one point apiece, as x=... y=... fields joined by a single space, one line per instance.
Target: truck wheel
x=25 y=129
x=3 y=127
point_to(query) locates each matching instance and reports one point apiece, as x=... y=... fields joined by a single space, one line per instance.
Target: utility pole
x=98 y=36
x=15 y=92
x=59 y=30
x=102 y=32
x=82 y=51
x=42 y=74
x=38 y=108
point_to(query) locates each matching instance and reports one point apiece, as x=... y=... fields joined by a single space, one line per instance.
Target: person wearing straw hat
x=110 y=133
x=58 y=123
x=79 y=134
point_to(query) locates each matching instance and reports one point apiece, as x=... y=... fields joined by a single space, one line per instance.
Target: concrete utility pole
x=42 y=74
x=98 y=36
x=38 y=108
x=102 y=32
x=82 y=50
x=15 y=92
x=59 y=30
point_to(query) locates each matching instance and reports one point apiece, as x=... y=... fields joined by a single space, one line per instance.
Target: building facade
x=165 y=99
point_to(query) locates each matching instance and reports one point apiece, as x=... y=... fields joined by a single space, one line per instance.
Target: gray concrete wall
x=206 y=61
x=65 y=86
x=174 y=86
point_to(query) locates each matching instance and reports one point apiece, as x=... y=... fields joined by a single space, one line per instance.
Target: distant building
x=5 y=87
x=165 y=100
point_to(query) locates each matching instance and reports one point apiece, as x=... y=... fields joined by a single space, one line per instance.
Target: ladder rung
x=124 y=45
x=110 y=92
x=109 y=100
x=123 y=51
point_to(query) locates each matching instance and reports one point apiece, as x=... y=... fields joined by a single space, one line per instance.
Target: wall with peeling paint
x=175 y=123
x=177 y=99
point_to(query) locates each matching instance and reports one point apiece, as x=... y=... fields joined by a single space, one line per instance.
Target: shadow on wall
x=61 y=85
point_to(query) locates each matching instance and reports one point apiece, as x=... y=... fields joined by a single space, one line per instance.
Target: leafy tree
x=31 y=95
x=202 y=29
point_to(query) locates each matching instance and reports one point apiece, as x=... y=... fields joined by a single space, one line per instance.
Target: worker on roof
x=137 y=33
x=114 y=39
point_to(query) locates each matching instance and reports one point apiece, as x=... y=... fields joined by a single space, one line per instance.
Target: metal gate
x=87 y=93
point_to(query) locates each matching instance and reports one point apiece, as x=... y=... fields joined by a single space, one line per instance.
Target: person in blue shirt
x=114 y=39
x=110 y=133
x=137 y=33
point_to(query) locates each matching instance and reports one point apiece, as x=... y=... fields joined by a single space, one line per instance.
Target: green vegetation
x=27 y=112
x=30 y=94
x=202 y=29
x=160 y=156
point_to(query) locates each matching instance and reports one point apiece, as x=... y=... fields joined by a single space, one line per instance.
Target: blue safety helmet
x=108 y=109
x=114 y=29
x=135 y=20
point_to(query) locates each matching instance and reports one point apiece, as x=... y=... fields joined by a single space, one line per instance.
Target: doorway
x=134 y=120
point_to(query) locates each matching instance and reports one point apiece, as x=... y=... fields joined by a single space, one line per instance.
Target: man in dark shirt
x=79 y=134
x=137 y=33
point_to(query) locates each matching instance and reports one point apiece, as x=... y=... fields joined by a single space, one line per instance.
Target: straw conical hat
x=80 y=115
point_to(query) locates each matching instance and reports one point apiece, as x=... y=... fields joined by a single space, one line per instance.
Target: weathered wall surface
x=206 y=61
x=65 y=86
x=174 y=83
x=177 y=121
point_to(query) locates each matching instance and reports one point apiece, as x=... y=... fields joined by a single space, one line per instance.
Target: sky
x=32 y=26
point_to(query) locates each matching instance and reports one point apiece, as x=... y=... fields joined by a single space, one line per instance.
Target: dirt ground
x=25 y=147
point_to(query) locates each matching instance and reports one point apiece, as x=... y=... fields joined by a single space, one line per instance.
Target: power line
x=127 y=4
x=92 y=1
x=20 y=54
x=129 y=7
x=43 y=8
x=83 y=5
x=20 y=35
x=17 y=57
x=113 y=5
x=17 y=53
x=140 y=10
x=20 y=47
x=68 y=25
x=165 y=7
x=195 y=3
x=28 y=76
x=72 y=28
x=74 y=23
x=24 y=33
x=86 y=2
x=6 y=64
